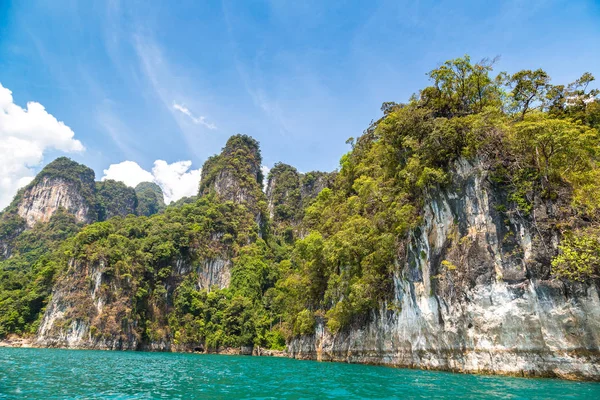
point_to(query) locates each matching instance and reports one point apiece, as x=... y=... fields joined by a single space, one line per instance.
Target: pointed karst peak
x=235 y=174
x=62 y=183
x=283 y=191
x=243 y=143
x=65 y=168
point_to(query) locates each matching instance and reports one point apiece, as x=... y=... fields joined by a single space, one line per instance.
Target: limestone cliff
x=93 y=308
x=66 y=184
x=472 y=290
x=62 y=183
x=290 y=192
x=235 y=174
x=118 y=289
x=474 y=293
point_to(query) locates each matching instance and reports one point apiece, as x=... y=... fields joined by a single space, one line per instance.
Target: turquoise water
x=73 y=374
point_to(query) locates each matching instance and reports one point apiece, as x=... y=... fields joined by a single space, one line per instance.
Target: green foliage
x=27 y=277
x=305 y=323
x=336 y=238
x=528 y=88
x=579 y=257
x=461 y=88
x=241 y=158
x=150 y=199
x=114 y=198
x=183 y=201
x=284 y=196
x=11 y=225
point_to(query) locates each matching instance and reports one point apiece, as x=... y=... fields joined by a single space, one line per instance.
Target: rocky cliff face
x=122 y=300
x=235 y=174
x=83 y=312
x=289 y=193
x=91 y=308
x=473 y=294
x=312 y=183
x=43 y=199
x=61 y=184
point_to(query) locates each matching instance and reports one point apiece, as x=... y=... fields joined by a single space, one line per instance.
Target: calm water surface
x=73 y=374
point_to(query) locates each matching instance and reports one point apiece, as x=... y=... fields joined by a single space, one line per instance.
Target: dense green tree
x=150 y=199
x=114 y=198
x=334 y=241
x=528 y=88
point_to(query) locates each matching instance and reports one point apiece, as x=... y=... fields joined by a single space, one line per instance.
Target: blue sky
x=172 y=80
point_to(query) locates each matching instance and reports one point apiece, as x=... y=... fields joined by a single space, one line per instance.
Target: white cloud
x=176 y=180
x=197 y=120
x=265 y=170
x=128 y=172
x=25 y=135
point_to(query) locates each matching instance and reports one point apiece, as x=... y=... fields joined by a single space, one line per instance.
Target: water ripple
x=81 y=374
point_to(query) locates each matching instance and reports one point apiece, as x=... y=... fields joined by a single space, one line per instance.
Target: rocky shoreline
x=545 y=366
x=30 y=342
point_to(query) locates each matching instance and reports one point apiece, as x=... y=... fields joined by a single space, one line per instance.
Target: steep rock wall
x=85 y=313
x=91 y=309
x=474 y=294
x=41 y=201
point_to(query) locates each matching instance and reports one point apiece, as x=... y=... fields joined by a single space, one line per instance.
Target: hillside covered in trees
x=239 y=267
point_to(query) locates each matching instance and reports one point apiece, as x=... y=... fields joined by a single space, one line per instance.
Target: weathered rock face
x=214 y=272
x=92 y=309
x=83 y=312
x=42 y=200
x=473 y=294
x=289 y=192
x=63 y=183
x=235 y=174
x=312 y=183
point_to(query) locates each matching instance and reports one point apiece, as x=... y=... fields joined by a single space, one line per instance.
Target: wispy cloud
x=121 y=135
x=253 y=80
x=168 y=82
x=201 y=120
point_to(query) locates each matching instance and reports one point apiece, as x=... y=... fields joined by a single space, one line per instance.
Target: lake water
x=83 y=374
